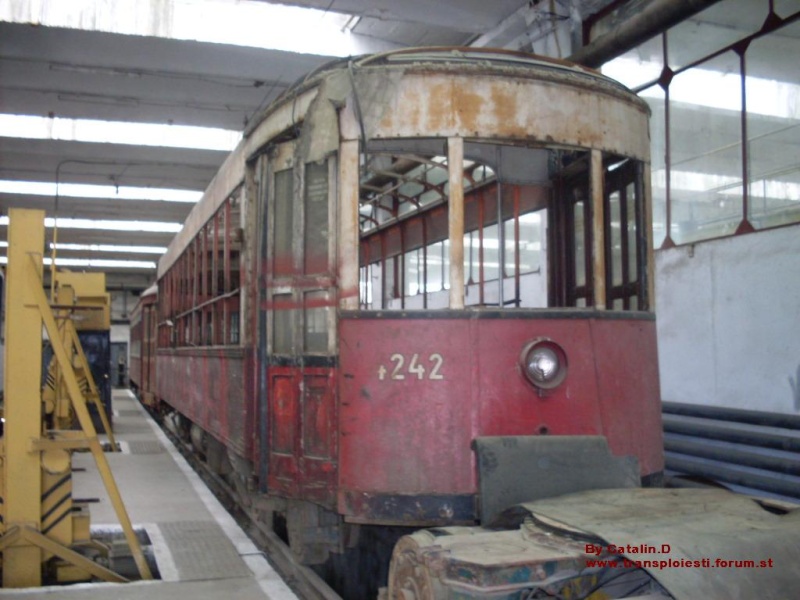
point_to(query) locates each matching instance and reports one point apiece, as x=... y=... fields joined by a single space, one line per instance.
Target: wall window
x=726 y=120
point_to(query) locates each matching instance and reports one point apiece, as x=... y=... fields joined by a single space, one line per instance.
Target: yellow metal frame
x=93 y=306
x=62 y=407
x=23 y=545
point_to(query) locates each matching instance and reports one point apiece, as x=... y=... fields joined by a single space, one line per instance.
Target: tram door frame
x=297 y=319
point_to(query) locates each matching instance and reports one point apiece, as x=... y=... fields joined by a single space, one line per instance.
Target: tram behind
x=408 y=252
x=142 y=370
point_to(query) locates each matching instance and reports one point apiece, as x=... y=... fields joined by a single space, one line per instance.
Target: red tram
x=142 y=368
x=407 y=252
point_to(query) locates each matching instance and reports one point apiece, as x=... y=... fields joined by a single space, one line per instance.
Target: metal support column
x=23 y=409
x=27 y=450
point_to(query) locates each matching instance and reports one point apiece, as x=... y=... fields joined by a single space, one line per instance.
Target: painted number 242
x=403 y=367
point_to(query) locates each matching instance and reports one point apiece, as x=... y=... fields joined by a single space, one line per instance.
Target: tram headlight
x=543 y=363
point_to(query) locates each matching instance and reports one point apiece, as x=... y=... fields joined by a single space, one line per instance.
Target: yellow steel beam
x=23 y=371
x=72 y=557
x=12 y=535
x=82 y=412
x=58 y=443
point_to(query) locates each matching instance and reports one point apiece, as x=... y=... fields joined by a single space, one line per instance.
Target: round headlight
x=544 y=363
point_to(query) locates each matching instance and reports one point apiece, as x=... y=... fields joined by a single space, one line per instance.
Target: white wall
x=122 y=303
x=120 y=333
x=729 y=321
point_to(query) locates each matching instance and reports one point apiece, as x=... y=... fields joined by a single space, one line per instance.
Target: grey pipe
x=655 y=17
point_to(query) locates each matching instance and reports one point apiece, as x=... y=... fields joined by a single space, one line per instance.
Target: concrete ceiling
x=91 y=74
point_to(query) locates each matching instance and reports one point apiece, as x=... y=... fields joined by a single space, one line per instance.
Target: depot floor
x=199 y=550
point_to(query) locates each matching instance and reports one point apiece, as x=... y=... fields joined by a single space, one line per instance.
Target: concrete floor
x=199 y=549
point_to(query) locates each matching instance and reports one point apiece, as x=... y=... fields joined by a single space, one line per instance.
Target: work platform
x=199 y=549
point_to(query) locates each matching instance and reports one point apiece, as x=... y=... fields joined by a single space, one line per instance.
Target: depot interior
x=115 y=116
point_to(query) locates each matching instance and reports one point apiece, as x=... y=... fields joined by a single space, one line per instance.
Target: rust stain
x=440 y=104
x=505 y=103
x=506 y=106
x=467 y=106
x=413 y=112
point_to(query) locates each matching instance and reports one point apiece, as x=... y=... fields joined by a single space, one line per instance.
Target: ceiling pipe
x=654 y=18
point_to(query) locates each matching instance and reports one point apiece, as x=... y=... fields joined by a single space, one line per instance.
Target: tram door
x=297 y=300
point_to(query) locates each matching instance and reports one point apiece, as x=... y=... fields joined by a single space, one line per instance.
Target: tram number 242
x=403 y=366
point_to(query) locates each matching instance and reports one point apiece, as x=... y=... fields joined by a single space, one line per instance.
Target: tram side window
x=316 y=218
x=199 y=296
x=317 y=315
x=284 y=223
x=624 y=236
x=283 y=324
x=283 y=314
x=581 y=247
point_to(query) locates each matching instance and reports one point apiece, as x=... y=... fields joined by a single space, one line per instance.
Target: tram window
x=580 y=243
x=404 y=220
x=284 y=222
x=202 y=287
x=234 y=328
x=530 y=245
x=316 y=218
x=510 y=247
x=282 y=324
x=569 y=230
x=624 y=236
x=317 y=313
x=369 y=285
x=632 y=234
x=615 y=238
x=491 y=254
x=438 y=266
x=390 y=266
x=208 y=338
x=412 y=273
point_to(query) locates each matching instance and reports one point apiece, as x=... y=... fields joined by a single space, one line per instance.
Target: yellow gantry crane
x=79 y=302
x=42 y=529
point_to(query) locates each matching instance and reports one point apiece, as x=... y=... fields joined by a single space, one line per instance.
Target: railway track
x=300 y=578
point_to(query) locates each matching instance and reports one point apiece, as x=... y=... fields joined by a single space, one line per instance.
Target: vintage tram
x=142 y=367
x=405 y=253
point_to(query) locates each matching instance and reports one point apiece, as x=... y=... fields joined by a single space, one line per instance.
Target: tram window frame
x=202 y=290
x=399 y=229
x=393 y=235
x=572 y=234
x=625 y=270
